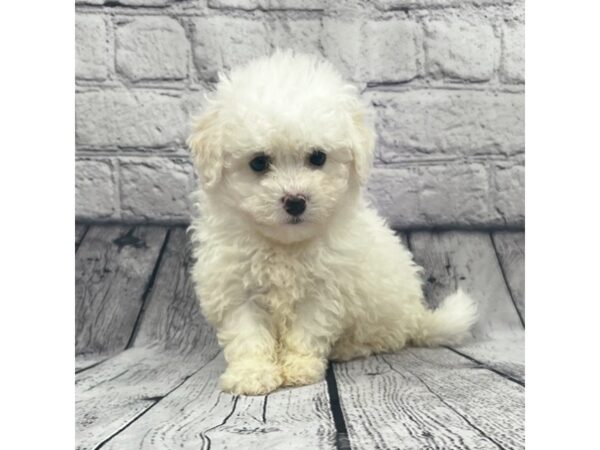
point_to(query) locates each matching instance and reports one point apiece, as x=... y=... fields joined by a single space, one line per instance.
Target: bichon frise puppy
x=293 y=267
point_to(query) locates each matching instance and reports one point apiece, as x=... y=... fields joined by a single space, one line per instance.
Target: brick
x=377 y=51
x=509 y=193
x=299 y=34
x=152 y=48
x=95 y=189
x=512 y=69
x=156 y=188
x=459 y=49
x=220 y=43
x=249 y=5
x=387 y=5
x=420 y=195
x=125 y=119
x=389 y=51
x=340 y=44
x=91 y=48
x=422 y=123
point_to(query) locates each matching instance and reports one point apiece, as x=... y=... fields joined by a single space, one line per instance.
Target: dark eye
x=317 y=158
x=260 y=163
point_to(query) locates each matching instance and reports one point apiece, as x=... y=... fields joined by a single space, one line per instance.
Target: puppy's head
x=284 y=144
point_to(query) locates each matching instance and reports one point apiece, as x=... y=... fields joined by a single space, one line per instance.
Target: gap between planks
x=341 y=432
x=510 y=249
x=80 y=232
x=148 y=289
x=508 y=287
x=503 y=374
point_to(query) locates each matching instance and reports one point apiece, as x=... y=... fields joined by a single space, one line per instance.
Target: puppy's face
x=289 y=194
x=286 y=163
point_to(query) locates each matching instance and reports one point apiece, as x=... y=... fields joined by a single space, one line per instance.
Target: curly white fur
x=285 y=297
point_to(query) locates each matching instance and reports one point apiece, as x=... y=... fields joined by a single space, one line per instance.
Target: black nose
x=294 y=204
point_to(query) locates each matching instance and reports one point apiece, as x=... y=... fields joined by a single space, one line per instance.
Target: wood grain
x=171 y=316
x=426 y=399
x=116 y=392
x=198 y=416
x=467 y=260
x=506 y=356
x=173 y=342
x=510 y=247
x=113 y=269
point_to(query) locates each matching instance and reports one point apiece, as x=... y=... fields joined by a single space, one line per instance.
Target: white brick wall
x=151 y=48
x=446 y=79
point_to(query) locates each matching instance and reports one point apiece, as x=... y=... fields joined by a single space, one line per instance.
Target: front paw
x=300 y=369
x=251 y=378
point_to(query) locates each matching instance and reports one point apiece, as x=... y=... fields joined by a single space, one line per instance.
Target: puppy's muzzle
x=294 y=205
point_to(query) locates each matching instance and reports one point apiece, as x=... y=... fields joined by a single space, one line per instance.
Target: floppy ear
x=363 y=139
x=205 y=146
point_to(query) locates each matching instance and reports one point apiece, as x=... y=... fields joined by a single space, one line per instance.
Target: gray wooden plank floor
x=148 y=363
x=114 y=266
x=469 y=260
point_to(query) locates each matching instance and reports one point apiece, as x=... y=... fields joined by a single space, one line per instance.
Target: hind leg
x=346 y=349
x=380 y=339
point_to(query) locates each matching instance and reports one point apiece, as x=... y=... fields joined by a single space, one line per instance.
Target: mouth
x=294 y=220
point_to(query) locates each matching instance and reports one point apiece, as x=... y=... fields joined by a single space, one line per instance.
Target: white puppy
x=293 y=266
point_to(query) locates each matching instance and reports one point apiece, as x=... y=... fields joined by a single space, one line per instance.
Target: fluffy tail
x=449 y=323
